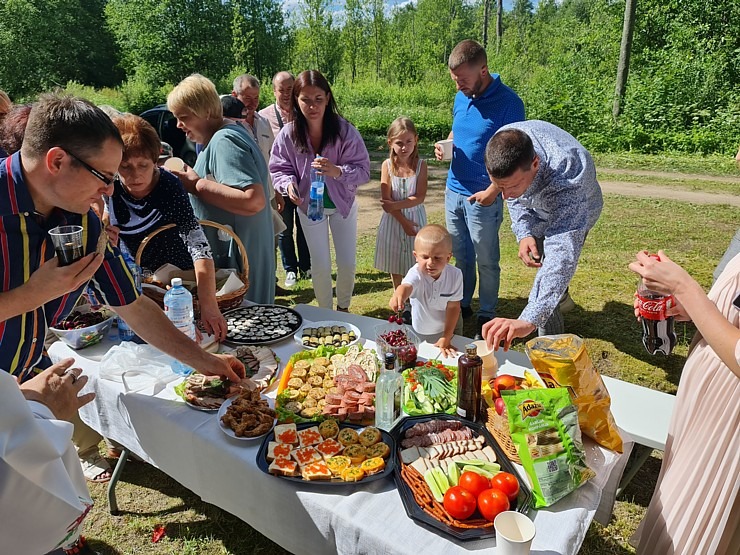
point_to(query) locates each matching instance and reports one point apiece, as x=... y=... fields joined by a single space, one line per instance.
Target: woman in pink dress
x=695 y=508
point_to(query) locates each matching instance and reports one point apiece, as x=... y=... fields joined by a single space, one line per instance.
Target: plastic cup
x=67 y=241
x=175 y=164
x=446 y=147
x=489 y=360
x=514 y=533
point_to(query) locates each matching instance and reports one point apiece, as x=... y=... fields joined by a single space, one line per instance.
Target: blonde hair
x=5 y=103
x=433 y=235
x=399 y=127
x=196 y=94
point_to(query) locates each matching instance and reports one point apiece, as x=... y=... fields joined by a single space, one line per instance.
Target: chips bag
x=562 y=361
x=544 y=427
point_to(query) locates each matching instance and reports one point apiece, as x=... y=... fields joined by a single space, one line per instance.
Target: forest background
x=683 y=91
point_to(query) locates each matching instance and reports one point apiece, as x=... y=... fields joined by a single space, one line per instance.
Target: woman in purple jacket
x=319 y=137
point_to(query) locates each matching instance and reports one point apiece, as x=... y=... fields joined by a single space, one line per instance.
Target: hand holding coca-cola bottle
x=655 y=304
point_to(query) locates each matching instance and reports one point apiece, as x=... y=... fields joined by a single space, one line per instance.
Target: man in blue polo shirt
x=473 y=205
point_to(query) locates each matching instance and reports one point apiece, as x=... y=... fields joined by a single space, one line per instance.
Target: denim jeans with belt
x=474 y=229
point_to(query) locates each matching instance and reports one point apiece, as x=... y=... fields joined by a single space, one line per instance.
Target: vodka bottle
x=388 y=395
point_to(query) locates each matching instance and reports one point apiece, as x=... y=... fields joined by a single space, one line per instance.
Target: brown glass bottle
x=469 y=372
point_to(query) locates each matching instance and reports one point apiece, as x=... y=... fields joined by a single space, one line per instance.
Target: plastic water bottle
x=125 y=333
x=316 y=196
x=178 y=306
x=388 y=394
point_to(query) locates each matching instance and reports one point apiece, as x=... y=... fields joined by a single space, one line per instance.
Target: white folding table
x=307 y=518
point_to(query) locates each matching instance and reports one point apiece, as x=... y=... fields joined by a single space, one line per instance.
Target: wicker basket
x=498 y=425
x=225 y=302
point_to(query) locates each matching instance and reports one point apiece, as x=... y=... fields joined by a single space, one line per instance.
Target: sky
x=291 y=5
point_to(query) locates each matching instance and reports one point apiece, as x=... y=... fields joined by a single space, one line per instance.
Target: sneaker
x=306 y=274
x=466 y=311
x=290 y=279
x=566 y=303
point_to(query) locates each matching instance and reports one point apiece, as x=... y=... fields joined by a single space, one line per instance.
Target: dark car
x=166 y=125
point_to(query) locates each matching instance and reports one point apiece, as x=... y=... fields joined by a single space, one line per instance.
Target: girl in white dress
x=403 y=186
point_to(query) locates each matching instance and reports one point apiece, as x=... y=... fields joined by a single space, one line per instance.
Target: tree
x=163 y=41
x=47 y=44
x=379 y=25
x=259 y=37
x=354 y=33
x=318 y=43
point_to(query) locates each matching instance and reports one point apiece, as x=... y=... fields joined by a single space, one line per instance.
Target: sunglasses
x=100 y=175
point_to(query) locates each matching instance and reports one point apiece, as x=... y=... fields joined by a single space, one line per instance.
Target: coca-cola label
x=654 y=308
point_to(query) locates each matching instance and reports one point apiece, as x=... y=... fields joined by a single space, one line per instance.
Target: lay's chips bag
x=562 y=361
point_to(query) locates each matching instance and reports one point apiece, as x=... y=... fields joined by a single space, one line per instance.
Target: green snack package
x=544 y=427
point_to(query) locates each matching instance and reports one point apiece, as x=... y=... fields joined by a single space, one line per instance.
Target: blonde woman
x=228 y=183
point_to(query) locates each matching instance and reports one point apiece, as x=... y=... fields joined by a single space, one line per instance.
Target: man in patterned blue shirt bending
x=473 y=205
x=549 y=181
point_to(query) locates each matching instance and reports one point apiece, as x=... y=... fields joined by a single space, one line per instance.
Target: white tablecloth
x=189 y=446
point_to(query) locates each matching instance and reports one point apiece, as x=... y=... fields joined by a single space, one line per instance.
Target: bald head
x=282 y=86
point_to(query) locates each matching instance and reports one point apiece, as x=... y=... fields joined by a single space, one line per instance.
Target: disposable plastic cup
x=175 y=163
x=489 y=360
x=446 y=146
x=514 y=533
x=67 y=241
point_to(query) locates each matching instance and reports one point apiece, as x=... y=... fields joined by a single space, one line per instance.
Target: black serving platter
x=242 y=331
x=415 y=512
x=390 y=463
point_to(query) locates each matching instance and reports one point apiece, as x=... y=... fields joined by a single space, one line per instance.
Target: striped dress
x=394 y=250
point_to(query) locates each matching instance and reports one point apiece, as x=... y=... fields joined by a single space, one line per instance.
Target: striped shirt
x=25 y=245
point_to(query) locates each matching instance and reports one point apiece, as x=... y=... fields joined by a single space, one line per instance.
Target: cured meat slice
x=357 y=373
x=433 y=426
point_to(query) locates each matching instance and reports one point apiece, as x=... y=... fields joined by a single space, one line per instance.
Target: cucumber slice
x=453 y=473
x=471 y=462
x=477 y=470
x=441 y=479
x=432 y=483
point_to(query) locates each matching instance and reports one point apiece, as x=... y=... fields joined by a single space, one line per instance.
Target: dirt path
x=370 y=211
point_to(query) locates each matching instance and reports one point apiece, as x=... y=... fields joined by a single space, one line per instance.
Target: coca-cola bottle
x=657 y=328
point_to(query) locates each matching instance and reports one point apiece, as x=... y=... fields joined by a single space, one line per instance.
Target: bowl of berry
x=84 y=326
x=399 y=339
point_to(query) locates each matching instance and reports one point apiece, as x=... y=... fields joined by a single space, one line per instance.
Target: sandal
x=96 y=469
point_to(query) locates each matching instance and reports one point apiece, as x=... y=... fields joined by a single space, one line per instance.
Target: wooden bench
x=644 y=414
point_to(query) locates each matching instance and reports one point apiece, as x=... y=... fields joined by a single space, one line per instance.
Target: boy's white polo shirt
x=429 y=297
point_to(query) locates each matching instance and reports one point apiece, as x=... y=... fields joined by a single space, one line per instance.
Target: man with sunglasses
x=549 y=182
x=69 y=159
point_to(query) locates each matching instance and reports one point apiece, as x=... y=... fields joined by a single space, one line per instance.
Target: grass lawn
x=695 y=236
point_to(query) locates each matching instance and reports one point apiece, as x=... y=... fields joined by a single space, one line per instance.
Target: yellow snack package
x=562 y=361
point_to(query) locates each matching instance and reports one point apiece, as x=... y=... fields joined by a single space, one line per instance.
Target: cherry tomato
x=419 y=363
x=459 y=503
x=492 y=502
x=473 y=482
x=506 y=483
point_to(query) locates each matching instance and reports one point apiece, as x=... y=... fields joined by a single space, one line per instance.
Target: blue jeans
x=474 y=229
x=291 y=263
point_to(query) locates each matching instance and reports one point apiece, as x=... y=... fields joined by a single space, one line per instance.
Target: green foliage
x=166 y=40
x=141 y=95
x=104 y=96
x=683 y=89
x=45 y=44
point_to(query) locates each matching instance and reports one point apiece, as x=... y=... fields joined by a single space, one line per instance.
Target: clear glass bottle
x=469 y=375
x=178 y=306
x=388 y=394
